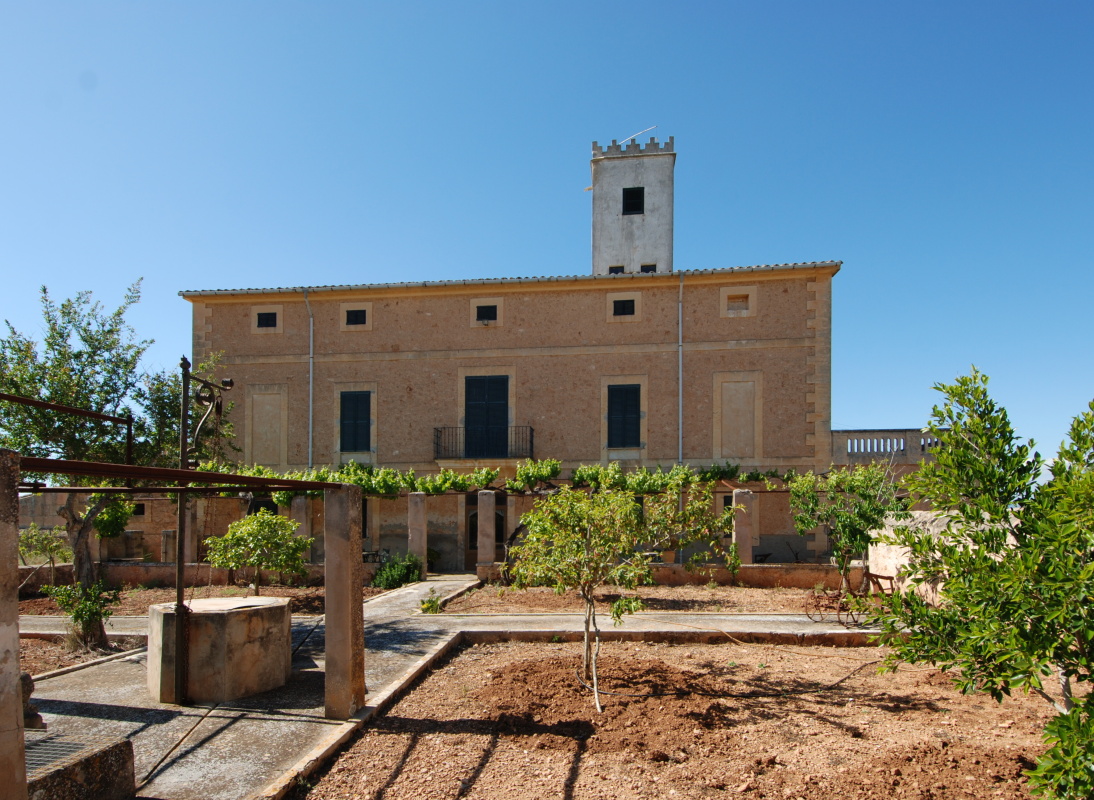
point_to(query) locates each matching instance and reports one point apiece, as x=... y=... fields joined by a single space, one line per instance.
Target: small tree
x=263 y=541
x=849 y=503
x=89 y=608
x=584 y=540
x=581 y=540
x=1014 y=572
x=49 y=544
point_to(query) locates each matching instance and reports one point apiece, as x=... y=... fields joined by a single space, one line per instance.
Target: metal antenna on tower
x=636 y=135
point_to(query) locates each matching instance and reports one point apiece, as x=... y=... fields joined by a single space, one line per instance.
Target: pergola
x=344 y=688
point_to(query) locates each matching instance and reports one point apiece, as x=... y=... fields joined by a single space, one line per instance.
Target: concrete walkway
x=252 y=747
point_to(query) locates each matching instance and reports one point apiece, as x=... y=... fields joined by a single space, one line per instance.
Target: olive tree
x=263 y=541
x=1013 y=570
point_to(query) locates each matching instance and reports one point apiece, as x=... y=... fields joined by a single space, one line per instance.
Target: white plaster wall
x=634 y=239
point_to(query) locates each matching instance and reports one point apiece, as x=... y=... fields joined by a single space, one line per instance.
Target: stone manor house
x=636 y=362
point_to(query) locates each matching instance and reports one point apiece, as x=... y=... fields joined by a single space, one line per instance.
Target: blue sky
x=942 y=151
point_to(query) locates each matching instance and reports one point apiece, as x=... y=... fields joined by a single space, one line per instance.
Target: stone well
x=237 y=646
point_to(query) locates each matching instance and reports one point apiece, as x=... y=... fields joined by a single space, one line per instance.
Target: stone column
x=745 y=534
x=416 y=527
x=300 y=511
x=487 y=538
x=345 y=621
x=13 y=760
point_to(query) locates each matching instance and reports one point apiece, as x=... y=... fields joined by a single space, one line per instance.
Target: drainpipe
x=311 y=377
x=680 y=373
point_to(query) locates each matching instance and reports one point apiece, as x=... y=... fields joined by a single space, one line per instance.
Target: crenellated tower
x=632 y=207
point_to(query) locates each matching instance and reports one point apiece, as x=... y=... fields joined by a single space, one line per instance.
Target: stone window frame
x=361 y=456
x=358 y=306
x=740 y=376
x=486 y=301
x=277 y=308
x=609 y=307
x=747 y=292
x=624 y=453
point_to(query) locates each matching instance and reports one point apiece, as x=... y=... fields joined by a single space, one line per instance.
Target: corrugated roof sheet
x=503 y=281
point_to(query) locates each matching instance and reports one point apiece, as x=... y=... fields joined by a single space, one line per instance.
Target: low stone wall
x=79 y=767
x=760 y=576
x=121 y=574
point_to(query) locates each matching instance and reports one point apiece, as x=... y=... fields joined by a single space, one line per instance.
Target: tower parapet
x=633 y=148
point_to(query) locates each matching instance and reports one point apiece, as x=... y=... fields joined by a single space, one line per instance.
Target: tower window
x=266 y=319
x=634 y=200
x=623 y=308
x=486 y=313
x=649 y=268
x=138 y=509
x=356 y=316
x=615 y=270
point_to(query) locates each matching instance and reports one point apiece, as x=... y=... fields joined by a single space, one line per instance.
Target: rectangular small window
x=634 y=200
x=625 y=415
x=356 y=422
x=138 y=509
x=486 y=313
x=356 y=316
x=649 y=268
x=267 y=319
x=623 y=308
x=615 y=270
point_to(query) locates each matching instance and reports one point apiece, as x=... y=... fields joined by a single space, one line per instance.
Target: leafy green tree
x=1013 y=571
x=583 y=540
x=89 y=607
x=264 y=541
x=849 y=504
x=46 y=543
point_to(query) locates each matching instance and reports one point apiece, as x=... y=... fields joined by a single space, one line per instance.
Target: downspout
x=311 y=377
x=680 y=373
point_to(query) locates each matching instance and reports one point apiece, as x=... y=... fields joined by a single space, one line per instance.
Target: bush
x=399 y=571
x=87 y=606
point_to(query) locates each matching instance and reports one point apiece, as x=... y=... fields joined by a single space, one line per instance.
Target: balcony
x=516 y=441
x=892 y=446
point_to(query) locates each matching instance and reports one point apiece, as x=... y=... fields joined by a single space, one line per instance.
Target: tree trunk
x=587 y=654
x=79 y=530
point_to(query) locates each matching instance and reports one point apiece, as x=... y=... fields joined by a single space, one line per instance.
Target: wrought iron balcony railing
x=517 y=441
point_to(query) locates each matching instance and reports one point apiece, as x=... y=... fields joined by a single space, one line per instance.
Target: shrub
x=399 y=571
x=88 y=606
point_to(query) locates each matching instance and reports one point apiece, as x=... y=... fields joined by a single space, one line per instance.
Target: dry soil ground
x=724 y=599
x=691 y=721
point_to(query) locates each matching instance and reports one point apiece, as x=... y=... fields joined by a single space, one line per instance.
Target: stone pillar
x=745 y=535
x=345 y=621
x=487 y=538
x=416 y=527
x=167 y=546
x=300 y=511
x=191 y=543
x=13 y=759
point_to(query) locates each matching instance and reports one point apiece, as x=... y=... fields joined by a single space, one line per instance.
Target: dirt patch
x=44 y=655
x=135 y=602
x=718 y=599
x=511 y=720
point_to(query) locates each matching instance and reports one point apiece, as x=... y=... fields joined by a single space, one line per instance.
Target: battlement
x=632 y=148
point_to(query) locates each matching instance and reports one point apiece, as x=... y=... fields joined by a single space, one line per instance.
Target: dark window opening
x=267 y=319
x=486 y=416
x=356 y=421
x=625 y=415
x=356 y=316
x=649 y=268
x=138 y=509
x=486 y=313
x=615 y=270
x=634 y=200
x=623 y=308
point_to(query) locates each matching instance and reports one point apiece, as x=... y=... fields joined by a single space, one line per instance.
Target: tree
x=1013 y=570
x=46 y=543
x=87 y=358
x=849 y=503
x=263 y=541
x=584 y=540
